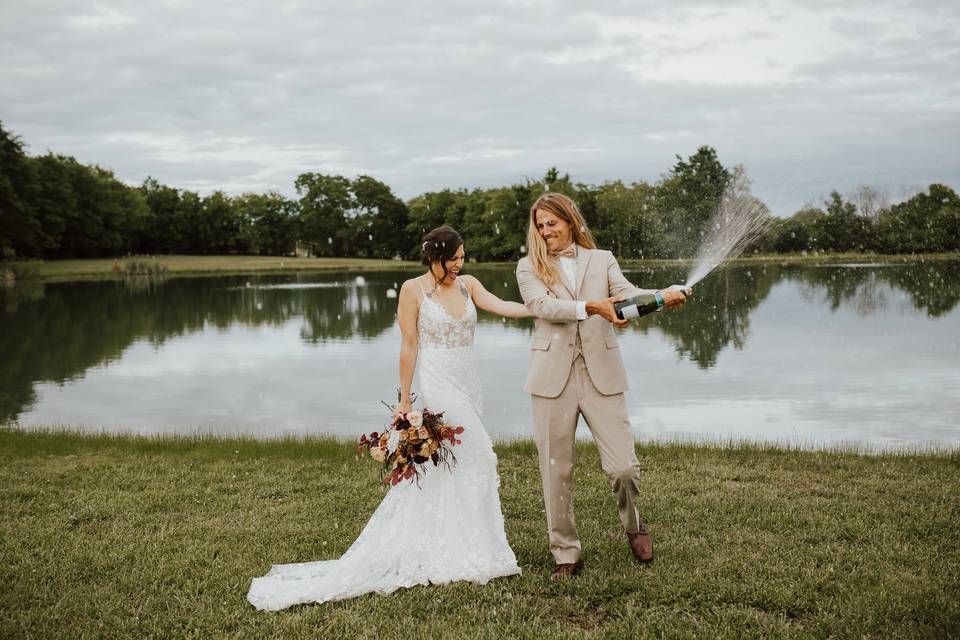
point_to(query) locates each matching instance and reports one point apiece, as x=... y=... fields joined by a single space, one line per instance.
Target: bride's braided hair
x=440 y=245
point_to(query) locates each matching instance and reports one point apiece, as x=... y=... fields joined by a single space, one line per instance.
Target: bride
x=455 y=514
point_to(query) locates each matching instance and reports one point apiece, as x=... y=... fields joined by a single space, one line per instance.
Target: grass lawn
x=62 y=270
x=106 y=536
x=53 y=270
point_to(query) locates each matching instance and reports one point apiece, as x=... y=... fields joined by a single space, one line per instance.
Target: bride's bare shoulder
x=412 y=287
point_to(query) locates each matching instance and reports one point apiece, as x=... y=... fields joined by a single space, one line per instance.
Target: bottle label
x=633 y=311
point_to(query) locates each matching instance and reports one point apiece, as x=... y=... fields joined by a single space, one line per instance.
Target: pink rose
x=415 y=418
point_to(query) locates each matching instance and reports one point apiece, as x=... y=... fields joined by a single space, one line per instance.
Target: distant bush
x=143 y=268
x=11 y=272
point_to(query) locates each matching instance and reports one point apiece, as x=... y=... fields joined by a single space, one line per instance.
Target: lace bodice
x=436 y=328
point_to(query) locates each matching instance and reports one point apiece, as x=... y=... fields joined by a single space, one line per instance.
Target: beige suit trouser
x=554 y=429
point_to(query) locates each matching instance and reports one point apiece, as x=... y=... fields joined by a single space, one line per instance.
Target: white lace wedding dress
x=451 y=526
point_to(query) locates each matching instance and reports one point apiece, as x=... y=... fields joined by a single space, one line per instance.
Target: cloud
x=100 y=17
x=243 y=96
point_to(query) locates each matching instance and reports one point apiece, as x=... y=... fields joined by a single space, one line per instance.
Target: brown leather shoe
x=564 y=571
x=641 y=544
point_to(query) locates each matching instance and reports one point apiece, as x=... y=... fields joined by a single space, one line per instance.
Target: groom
x=570 y=286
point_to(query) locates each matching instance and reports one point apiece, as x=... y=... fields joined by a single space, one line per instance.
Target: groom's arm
x=617 y=282
x=539 y=299
x=673 y=297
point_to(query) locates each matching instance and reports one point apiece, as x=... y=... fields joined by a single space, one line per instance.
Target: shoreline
x=83 y=437
x=201 y=266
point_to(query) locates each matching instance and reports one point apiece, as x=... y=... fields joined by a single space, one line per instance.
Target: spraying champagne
x=739 y=220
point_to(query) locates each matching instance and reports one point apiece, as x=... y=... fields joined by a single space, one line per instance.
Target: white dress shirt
x=569 y=268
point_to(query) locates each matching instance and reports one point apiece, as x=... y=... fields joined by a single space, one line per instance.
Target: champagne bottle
x=638 y=306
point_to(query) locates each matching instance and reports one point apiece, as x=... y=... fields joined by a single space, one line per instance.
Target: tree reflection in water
x=55 y=332
x=718 y=315
x=932 y=287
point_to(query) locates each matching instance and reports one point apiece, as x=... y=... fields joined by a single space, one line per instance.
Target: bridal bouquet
x=410 y=441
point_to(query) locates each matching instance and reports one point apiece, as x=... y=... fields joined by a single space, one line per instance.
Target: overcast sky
x=243 y=96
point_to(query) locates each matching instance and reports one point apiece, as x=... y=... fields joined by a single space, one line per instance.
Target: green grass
x=136 y=537
x=67 y=270
x=63 y=270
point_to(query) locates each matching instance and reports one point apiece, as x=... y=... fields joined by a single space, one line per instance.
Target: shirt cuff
x=581 y=310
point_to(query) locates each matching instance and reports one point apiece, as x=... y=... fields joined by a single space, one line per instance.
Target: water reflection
x=54 y=335
x=720 y=314
x=931 y=288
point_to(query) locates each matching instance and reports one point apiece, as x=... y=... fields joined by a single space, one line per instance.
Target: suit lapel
x=583 y=259
x=561 y=288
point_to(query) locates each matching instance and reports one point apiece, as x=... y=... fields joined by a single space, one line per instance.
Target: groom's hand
x=604 y=308
x=675 y=295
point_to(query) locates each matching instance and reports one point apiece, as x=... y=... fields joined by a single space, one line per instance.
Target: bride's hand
x=403 y=407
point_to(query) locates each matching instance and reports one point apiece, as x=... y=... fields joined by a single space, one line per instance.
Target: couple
x=450 y=527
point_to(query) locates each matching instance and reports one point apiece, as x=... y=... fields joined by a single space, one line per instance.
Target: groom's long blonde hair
x=567 y=210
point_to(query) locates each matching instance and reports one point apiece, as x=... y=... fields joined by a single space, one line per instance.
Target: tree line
x=52 y=206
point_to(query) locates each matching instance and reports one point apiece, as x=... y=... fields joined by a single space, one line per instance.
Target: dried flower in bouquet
x=410 y=441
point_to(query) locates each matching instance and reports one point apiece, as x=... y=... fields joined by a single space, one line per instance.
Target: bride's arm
x=407 y=308
x=489 y=302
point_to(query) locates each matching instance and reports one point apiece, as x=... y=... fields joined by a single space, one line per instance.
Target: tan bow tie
x=569 y=252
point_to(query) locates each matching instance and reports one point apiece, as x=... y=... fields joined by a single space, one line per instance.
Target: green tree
x=504 y=223
x=75 y=193
x=84 y=211
x=269 y=223
x=21 y=231
x=161 y=233
x=435 y=209
x=687 y=197
x=801 y=232
x=926 y=222
x=53 y=202
x=188 y=224
x=626 y=221
x=123 y=211
x=85 y=231
x=221 y=226
x=324 y=202
x=842 y=229
x=471 y=212
x=378 y=220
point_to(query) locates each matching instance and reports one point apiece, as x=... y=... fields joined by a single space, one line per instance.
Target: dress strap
x=424 y=293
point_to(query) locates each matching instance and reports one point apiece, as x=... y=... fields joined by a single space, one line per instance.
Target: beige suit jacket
x=554 y=345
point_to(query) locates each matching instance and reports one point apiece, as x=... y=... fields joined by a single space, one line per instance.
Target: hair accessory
x=425 y=245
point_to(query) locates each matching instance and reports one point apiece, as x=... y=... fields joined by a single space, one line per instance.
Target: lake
x=830 y=355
